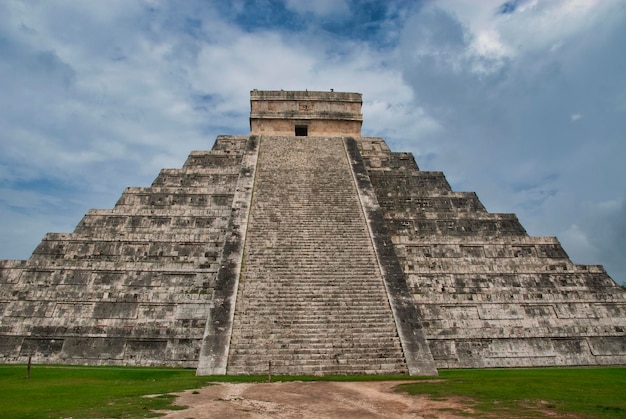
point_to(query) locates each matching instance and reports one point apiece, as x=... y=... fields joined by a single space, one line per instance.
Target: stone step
x=312 y=339
x=276 y=339
x=350 y=368
x=319 y=354
x=348 y=310
x=322 y=322
x=311 y=294
x=322 y=304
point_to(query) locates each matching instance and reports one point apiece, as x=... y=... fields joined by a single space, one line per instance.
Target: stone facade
x=132 y=285
x=489 y=295
x=322 y=253
x=278 y=112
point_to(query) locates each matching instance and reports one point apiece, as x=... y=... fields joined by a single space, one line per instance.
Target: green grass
x=83 y=392
x=87 y=392
x=589 y=392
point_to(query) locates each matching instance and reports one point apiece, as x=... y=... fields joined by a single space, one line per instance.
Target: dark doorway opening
x=302 y=130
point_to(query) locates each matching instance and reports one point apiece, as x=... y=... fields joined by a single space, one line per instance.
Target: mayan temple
x=309 y=247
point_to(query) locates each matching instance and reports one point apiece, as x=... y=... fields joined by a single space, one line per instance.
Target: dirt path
x=312 y=400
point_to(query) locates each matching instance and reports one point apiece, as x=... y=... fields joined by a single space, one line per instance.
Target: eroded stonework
x=316 y=250
x=488 y=294
x=132 y=285
x=279 y=112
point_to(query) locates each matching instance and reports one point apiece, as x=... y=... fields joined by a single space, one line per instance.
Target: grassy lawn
x=589 y=392
x=87 y=392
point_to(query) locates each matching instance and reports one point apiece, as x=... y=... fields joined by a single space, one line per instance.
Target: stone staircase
x=311 y=299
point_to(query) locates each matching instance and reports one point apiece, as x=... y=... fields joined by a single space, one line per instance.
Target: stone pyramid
x=308 y=249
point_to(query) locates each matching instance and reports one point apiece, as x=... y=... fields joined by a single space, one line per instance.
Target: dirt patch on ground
x=373 y=399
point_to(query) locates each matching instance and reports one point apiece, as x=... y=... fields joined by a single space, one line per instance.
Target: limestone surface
x=488 y=294
x=132 y=285
x=293 y=253
x=311 y=298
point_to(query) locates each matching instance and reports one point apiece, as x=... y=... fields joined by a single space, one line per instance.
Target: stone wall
x=132 y=285
x=488 y=294
x=315 y=127
x=277 y=112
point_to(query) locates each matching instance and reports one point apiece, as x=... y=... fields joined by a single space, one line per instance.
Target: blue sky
x=523 y=102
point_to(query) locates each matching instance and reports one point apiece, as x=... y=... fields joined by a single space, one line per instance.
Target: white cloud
x=575 y=117
x=534 y=25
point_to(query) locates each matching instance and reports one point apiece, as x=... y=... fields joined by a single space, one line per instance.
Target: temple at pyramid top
x=304 y=113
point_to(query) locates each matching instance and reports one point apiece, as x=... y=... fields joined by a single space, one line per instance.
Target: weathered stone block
x=114 y=310
x=41 y=347
x=192 y=311
x=10 y=346
x=93 y=348
x=148 y=351
x=607 y=345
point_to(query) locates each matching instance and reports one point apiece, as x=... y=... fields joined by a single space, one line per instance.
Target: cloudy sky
x=523 y=102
